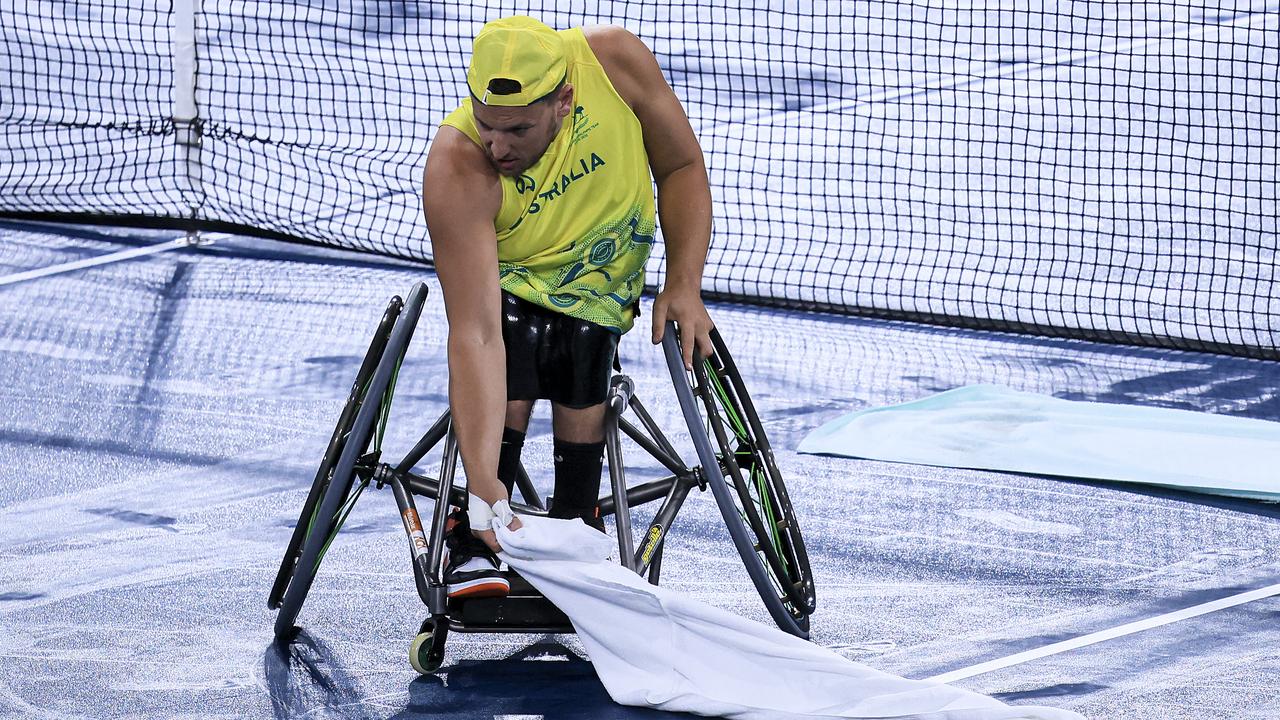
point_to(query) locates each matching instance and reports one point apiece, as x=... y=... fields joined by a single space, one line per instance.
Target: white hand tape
x=484 y=516
x=479 y=514
x=502 y=514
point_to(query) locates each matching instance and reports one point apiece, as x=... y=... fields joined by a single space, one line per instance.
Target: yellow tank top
x=574 y=231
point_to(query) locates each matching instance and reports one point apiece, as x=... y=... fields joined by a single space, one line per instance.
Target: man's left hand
x=684 y=306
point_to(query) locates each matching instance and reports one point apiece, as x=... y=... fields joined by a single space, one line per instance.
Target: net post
x=186 y=114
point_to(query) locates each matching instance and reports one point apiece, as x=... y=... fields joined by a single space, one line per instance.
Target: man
x=540 y=207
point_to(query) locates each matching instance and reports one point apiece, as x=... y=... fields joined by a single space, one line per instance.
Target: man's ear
x=565 y=101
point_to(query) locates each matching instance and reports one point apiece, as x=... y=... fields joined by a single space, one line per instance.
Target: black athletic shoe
x=472 y=570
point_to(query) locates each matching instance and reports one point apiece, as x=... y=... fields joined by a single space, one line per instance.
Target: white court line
x=1115 y=632
x=177 y=244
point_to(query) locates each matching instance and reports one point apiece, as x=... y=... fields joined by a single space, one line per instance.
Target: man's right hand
x=490 y=538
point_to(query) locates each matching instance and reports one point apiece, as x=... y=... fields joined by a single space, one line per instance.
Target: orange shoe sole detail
x=482 y=589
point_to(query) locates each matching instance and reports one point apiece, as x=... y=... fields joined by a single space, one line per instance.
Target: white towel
x=653 y=647
x=995 y=428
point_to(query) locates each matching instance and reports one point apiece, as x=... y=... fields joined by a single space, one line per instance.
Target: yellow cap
x=516 y=48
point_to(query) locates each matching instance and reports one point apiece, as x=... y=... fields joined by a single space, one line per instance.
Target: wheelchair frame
x=775 y=557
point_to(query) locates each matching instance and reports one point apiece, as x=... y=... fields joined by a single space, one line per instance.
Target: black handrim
x=748 y=464
x=330 y=459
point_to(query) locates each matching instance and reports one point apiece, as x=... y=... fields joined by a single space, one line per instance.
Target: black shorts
x=555 y=357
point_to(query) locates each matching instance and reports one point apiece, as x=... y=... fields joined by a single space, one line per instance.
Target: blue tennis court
x=166 y=415
x=205 y=208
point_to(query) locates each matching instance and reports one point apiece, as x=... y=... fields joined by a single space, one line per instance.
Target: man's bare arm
x=684 y=193
x=460 y=200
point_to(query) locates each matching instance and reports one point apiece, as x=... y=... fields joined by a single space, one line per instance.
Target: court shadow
x=1216 y=384
x=1050 y=691
x=544 y=680
x=302 y=678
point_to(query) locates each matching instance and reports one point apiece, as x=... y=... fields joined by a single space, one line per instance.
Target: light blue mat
x=993 y=428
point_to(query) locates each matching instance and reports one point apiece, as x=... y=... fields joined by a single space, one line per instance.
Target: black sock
x=578 y=467
x=509 y=458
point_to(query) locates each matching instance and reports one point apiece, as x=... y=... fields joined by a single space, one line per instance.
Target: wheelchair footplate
x=523 y=609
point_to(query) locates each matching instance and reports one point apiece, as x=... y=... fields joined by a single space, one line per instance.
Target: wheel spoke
x=340 y=518
x=736 y=424
x=380 y=429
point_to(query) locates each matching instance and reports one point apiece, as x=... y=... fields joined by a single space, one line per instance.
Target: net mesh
x=1094 y=169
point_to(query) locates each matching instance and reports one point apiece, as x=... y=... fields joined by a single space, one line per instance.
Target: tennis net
x=1104 y=170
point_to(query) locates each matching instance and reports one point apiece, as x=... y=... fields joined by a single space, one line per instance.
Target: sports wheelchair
x=726 y=434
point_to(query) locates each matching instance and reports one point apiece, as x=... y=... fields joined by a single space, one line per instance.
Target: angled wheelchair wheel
x=346 y=420
x=352 y=454
x=735 y=455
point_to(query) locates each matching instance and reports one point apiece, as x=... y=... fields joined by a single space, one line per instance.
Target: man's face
x=515 y=138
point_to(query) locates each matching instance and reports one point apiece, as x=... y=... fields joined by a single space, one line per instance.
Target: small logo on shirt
x=582 y=125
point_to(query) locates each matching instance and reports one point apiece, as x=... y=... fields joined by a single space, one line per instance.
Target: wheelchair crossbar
x=669 y=459
x=455 y=626
x=647 y=492
x=433 y=436
x=637 y=407
x=430 y=487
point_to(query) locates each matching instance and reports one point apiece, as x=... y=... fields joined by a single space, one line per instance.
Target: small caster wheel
x=426 y=652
